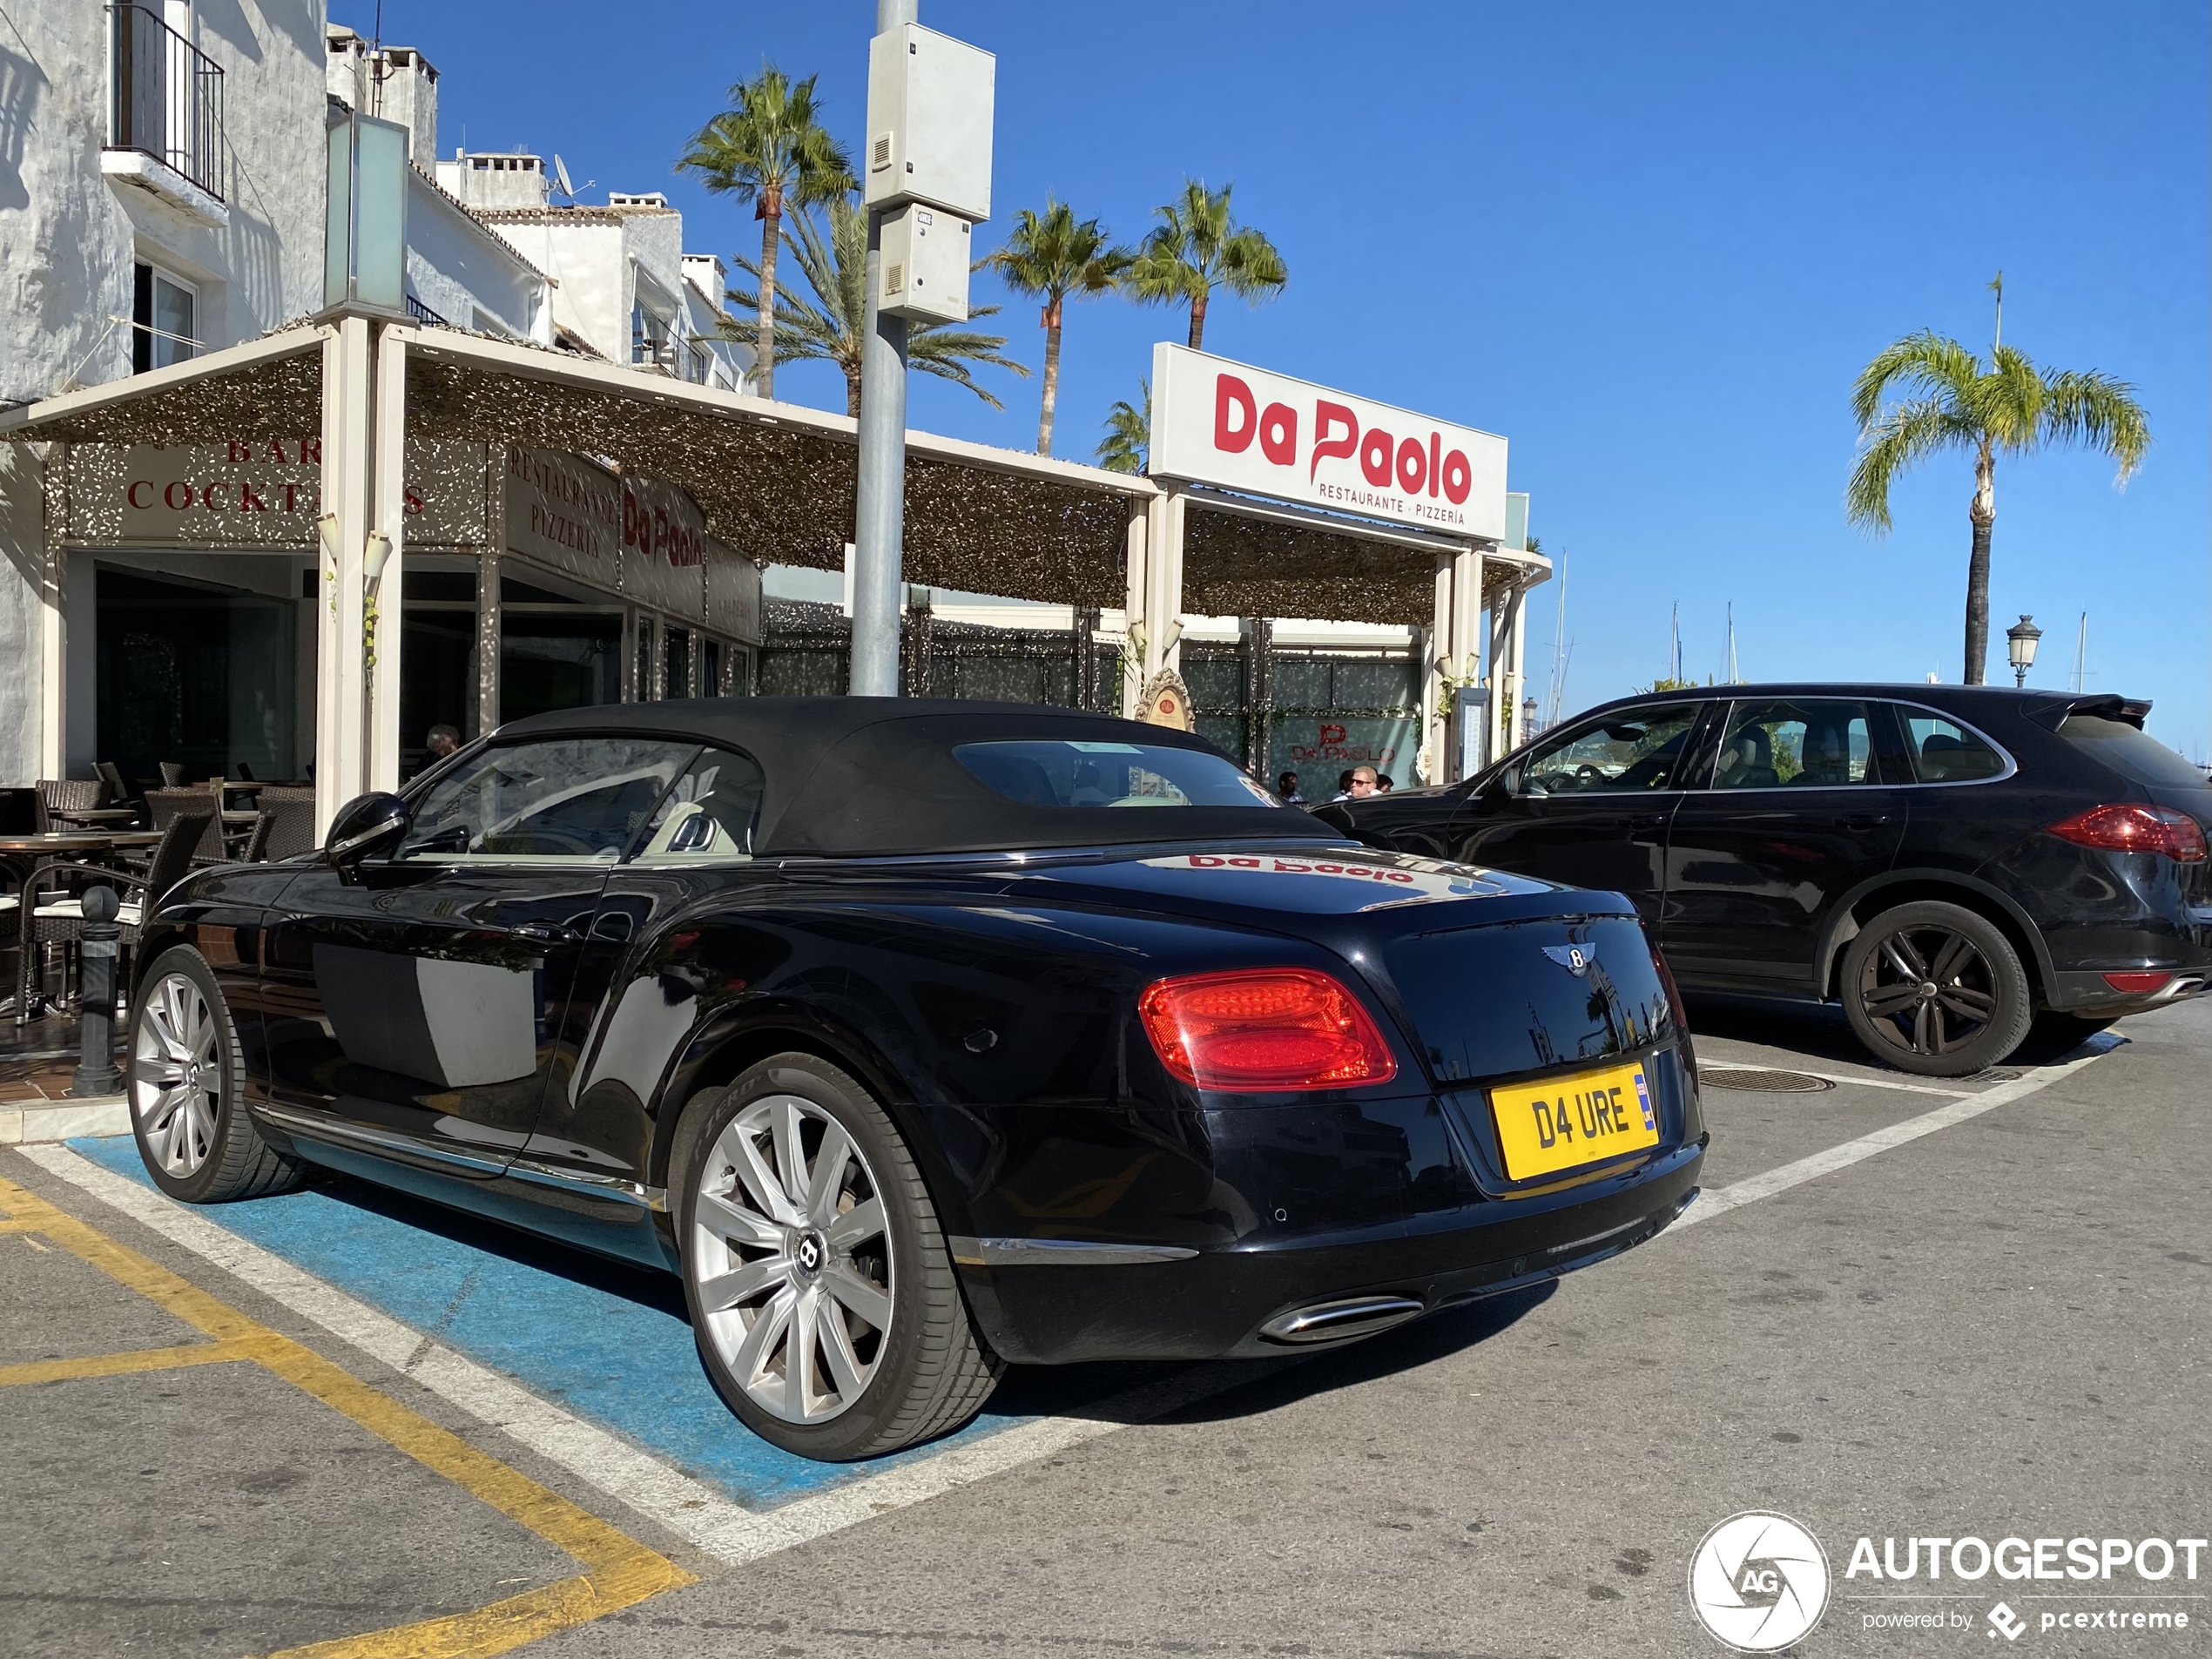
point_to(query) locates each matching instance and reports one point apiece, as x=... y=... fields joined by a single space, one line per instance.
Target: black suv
x=1950 y=863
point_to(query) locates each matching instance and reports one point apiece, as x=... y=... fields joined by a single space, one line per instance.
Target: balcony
x=165 y=115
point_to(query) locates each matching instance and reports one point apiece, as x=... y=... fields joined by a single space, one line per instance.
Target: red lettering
x=1232 y=394
x=311 y=449
x=276 y=453
x=247 y=501
x=207 y=498
x=1435 y=459
x=1332 y=734
x=1375 y=451
x=241 y=453
x=1327 y=415
x=1279 y=435
x=1459 y=478
x=169 y=497
x=291 y=498
x=413 y=498
x=1244 y=864
x=131 y=495
x=1201 y=861
x=1412 y=466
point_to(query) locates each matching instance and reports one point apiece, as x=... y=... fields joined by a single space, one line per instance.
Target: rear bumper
x=1218 y=1302
x=2089 y=995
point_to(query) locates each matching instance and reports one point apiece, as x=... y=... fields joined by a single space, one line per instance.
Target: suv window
x=1814 y=743
x=570 y=800
x=1634 y=749
x=1946 y=752
x=2130 y=751
x=709 y=817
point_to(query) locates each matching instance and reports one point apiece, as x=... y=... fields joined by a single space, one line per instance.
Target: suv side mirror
x=365 y=826
x=1509 y=782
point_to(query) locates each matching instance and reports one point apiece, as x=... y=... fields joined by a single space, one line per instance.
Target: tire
x=1935 y=989
x=194 y=1133
x=886 y=1355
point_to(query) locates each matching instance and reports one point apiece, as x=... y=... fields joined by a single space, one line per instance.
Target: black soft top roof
x=854 y=777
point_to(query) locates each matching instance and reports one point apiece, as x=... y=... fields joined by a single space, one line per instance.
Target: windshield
x=1041 y=772
x=2131 y=752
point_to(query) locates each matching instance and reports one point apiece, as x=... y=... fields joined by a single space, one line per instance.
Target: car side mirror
x=364 y=826
x=1509 y=782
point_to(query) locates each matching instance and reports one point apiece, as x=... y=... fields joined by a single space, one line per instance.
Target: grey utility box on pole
x=929 y=122
x=925 y=265
x=929 y=154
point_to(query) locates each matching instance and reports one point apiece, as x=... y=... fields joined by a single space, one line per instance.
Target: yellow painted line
x=125 y=1364
x=18 y=1226
x=619 y=1572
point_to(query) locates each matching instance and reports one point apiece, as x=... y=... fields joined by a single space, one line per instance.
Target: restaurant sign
x=1215 y=421
x=253 y=493
x=621 y=533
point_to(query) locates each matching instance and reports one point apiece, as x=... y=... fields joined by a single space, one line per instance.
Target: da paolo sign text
x=1244 y=429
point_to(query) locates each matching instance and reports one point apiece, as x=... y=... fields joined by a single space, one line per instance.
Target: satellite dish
x=561 y=170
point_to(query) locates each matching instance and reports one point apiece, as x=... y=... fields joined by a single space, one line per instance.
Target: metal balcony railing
x=166 y=97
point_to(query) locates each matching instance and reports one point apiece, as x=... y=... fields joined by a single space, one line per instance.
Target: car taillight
x=1264 y=1029
x=1673 y=1005
x=2136 y=828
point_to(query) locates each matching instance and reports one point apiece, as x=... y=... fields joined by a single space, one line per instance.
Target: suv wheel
x=821 y=1292
x=1936 y=989
x=192 y=1130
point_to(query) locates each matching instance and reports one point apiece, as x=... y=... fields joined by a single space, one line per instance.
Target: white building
x=163 y=186
x=625 y=290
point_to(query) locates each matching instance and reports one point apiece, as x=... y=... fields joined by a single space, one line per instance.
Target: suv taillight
x=2136 y=828
x=1264 y=1029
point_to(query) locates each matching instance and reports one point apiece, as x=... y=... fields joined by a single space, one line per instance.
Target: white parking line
x=1720 y=1201
x=726 y=1530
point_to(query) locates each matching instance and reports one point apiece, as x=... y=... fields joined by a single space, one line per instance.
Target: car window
x=709 y=817
x=1944 y=752
x=2131 y=752
x=1039 y=773
x=1636 y=749
x=1796 y=742
x=570 y=800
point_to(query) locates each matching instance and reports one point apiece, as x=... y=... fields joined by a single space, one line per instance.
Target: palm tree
x=1196 y=247
x=1055 y=254
x=1127 y=446
x=768 y=149
x=830 y=324
x=1956 y=402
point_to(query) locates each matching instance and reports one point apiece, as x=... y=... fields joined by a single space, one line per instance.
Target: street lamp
x=2019 y=646
x=1528 y=717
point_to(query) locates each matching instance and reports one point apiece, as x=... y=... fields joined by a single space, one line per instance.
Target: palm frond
x=1053 y=254
x=2099 y=413
x=1127 y=444
x=1902 y=437
x=1927 y=362
x=1198 y=245
x=769 y=139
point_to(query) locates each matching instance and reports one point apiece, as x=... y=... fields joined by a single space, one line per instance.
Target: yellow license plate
x=1568 y=1122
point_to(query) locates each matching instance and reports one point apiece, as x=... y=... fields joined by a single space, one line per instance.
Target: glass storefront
x=558 y=660
x=194 y=673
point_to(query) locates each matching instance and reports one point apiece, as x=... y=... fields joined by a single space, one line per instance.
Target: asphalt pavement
x=1902 y=1310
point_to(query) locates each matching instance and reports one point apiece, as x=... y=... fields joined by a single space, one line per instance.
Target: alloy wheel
x=792 y=1259
x=177 y=1075
x=1927 y=990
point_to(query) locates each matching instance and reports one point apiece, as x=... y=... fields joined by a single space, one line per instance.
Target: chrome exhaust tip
x=1357 y=1316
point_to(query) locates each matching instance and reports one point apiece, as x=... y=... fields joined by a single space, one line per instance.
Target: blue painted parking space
x=608 y=1343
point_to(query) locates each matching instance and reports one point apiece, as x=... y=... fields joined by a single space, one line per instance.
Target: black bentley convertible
x=920 y=1037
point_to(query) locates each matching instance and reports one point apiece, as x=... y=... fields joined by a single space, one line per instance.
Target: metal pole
x=879 y=511
x=97 y=1074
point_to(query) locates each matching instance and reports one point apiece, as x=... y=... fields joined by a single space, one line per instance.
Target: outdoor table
x=21 y=854
x=236 y=786
x=97 y=815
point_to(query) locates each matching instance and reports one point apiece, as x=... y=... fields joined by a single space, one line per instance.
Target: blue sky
x=1649 y=245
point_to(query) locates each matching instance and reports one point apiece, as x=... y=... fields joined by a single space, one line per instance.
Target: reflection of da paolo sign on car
x=1218 y=422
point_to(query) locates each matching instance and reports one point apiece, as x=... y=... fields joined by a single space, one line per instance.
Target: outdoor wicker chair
x=122 y=790
x=52 y=918
x=288 y=826
x=58 y=798
x=172 y=774
x=167 y=805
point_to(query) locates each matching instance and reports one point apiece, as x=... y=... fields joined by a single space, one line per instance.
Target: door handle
x=1865 y=820
x=617 y=925
x=544 y=933
x=1650 y=822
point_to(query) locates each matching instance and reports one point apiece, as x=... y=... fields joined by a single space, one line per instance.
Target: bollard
x=97 y=1073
